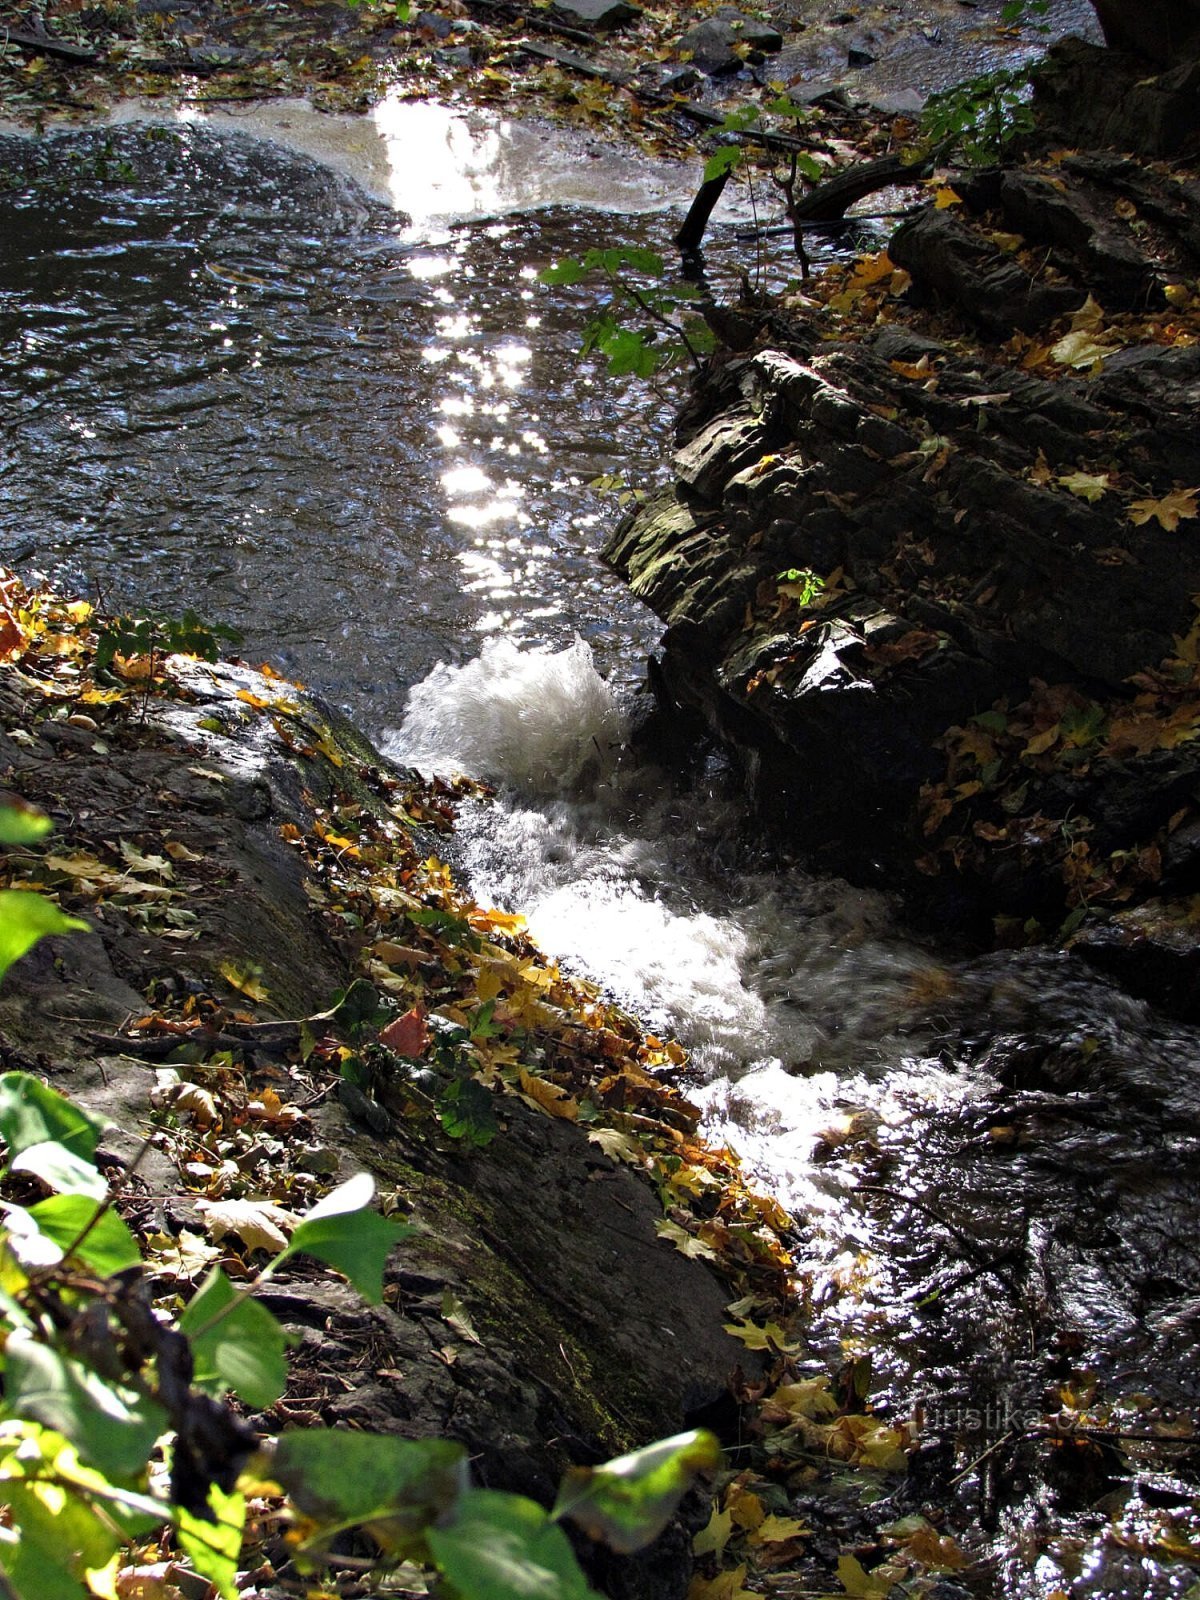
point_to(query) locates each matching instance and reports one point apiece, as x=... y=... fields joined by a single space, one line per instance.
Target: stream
x=316 y=393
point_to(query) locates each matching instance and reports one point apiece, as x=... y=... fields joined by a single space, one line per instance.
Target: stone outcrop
x=973 y=513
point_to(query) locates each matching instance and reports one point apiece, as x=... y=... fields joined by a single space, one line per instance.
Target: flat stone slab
x=597 y=14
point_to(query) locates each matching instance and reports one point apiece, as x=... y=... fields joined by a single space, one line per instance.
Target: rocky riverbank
x=244 y=858
x=926 y=563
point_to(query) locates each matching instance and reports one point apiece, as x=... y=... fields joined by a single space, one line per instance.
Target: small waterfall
x=624 y=878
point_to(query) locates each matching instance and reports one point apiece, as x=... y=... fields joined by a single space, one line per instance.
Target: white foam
x=535 y=719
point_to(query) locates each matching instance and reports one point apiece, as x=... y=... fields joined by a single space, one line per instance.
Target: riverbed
x=271 y=384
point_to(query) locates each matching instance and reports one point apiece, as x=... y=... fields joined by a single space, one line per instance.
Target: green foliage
x=504 y=1547
x=341 y=1231
x=236 y=1343
x=802 y=584
x=76 y=1439
x=632 y=281
x=980 y=117
x=393 y=10
x=139 y=637
x=25 y=918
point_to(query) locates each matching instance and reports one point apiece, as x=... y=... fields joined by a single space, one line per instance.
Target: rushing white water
x=770 y=980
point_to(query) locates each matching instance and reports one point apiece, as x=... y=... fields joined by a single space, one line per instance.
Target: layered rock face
x=932 y=591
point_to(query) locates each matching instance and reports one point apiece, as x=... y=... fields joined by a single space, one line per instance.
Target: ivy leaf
x=343 y=1232
x=464 y=1109
x=1169 y=511
x=109 y=1246
x=61 y=1169
x=25 y=918
x=30 y=1113
x=213 y=1547
x=398 y=1486
x=504 y=1547
x=240 y=1348
x=113 y=1428
x=628 y=1501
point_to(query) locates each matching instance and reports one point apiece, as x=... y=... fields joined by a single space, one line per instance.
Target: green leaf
x=241 y=1348
x=628 y=1501
x=55 y=1543
x=25 y=918
x=504 y=1547
x=810 y=167
x=213 y=1547
x=397 y=1485
x=464 y=1109
x=343 y=1232
x=109 y=1247
x=30 y=1113
x=722 y=161
x=62 y=1168
x=628 y=352
x=22 y=825
x=564 y=272
x=113 y=1428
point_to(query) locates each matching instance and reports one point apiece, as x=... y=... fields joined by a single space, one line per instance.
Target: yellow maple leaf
x=712 y=1539
x=1087 y=485
x=619 y=1146
x=778 y=1530
x=770 y=1337
x=1169 y=511
x=725 y=1586
x=946 y=197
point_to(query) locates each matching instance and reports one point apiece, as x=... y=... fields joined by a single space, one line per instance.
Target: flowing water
x=235 y=380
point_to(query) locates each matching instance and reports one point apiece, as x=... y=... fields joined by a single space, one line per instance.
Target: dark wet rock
x=1152 y=950
x=1135 y=111
x=936 y=484
x=711 y=43
x=598 y=14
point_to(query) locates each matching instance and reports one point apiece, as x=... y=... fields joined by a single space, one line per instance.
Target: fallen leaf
x=620 y=1146
x=548 y=1097
x=257 y=1223
x=1080 y=349
x=1086 y=485
x=712 y=1539
x=777 y=1530
x=687 y=1244
x=1169 y=511
x=247 y=981
x=770 y=1337
x=456 y=1314
x=407 y=1035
